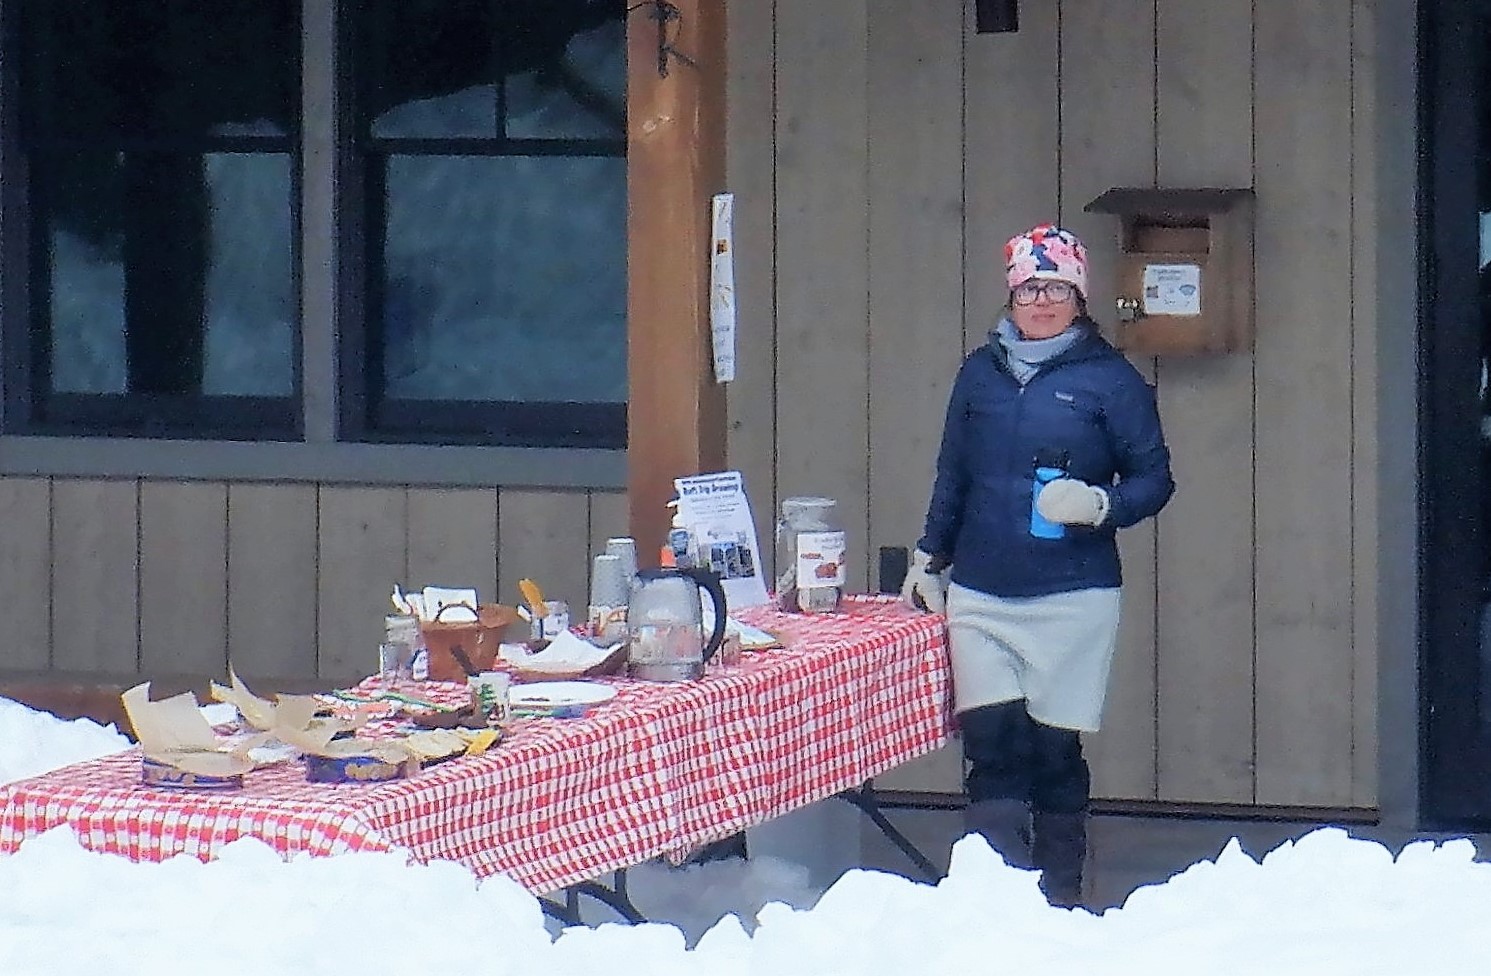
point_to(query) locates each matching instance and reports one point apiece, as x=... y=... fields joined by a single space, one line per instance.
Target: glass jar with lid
x=810 y=555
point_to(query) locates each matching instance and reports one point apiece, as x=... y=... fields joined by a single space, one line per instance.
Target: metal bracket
x=664 y=13
x=614 y=898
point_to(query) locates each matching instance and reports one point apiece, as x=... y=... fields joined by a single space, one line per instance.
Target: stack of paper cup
x=610 y=589
x=625 y=549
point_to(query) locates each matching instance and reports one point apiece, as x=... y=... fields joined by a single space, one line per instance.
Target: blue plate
x=354 y=769
x=168 y=777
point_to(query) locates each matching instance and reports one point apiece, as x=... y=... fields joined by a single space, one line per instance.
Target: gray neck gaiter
x=1026 y=356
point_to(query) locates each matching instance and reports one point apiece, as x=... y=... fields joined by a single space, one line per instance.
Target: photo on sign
x=731 y=558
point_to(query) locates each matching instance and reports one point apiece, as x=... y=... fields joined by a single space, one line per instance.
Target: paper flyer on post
x=715 y=510
x=722 y=286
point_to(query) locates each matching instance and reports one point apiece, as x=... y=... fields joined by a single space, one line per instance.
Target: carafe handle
x=710 y=582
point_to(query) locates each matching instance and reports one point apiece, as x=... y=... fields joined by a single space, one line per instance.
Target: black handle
x=436 y=619
x=710 y=582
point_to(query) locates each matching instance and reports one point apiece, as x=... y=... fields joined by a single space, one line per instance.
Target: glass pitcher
x=665 y=618
x=810 y=555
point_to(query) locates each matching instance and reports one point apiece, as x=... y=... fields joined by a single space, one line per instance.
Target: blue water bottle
x=1048 y=467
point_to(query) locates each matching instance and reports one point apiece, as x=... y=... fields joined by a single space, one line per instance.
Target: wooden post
x=675 y=164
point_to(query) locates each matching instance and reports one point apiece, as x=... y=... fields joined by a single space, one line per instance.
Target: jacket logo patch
x=1066 y=397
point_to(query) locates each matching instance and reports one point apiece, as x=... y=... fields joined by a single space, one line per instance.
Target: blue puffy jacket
x=1087 y=405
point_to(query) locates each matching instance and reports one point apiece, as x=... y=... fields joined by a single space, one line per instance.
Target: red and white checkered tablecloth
x=658 y=770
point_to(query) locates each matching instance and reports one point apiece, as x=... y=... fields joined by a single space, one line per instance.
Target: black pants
x=1010 y=755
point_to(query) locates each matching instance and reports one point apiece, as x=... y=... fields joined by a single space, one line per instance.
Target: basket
x=477 y=639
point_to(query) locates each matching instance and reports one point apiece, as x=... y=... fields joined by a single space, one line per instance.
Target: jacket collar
x=1089 y=345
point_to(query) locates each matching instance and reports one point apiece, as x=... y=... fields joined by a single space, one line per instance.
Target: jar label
x=820 y=559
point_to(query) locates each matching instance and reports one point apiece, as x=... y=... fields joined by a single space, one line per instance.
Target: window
x=488 y=171
x=150 y=222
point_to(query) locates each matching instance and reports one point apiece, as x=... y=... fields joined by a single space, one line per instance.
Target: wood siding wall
x=881 y=153
x=173 y=580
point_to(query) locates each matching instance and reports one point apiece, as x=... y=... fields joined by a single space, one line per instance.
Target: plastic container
x=401 y=640
x=810 y=549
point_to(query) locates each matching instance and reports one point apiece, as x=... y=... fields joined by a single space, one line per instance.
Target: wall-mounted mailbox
x=1185 y=276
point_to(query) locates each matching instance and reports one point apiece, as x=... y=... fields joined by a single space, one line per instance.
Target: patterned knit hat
x=1046 y=251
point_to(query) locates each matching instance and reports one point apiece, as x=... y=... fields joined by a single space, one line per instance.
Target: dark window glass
x=230 y=291
x=471 y=314
x=573 y=91
x=494 y=185
x=430 y=68
x=159 y=142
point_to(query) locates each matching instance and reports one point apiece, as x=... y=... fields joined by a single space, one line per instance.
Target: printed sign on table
x=715 y=510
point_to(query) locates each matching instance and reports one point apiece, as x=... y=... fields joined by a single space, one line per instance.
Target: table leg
x=867 y=800
x=615 y=898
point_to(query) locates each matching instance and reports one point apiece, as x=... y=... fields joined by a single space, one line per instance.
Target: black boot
x=1058 y=850
x=1005 y=824
x=1059 y=813
x=997 y=753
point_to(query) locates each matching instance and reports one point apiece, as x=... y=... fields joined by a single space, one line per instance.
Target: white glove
x=1068 y=501
x=924 y=589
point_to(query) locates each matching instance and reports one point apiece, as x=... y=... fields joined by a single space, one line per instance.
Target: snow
x=1326 y=903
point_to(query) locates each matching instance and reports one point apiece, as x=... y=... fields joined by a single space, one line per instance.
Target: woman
x=1052 y=443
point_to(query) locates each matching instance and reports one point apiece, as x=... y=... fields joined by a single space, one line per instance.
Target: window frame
x=364 y=415
x=29 y=406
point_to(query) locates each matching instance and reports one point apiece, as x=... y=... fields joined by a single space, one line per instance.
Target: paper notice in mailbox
x=1172 y=289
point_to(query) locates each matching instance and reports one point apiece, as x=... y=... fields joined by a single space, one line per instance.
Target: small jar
x=810 y=555
x=401 y=655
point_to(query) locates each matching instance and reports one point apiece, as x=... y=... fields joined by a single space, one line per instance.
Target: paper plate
x=555 y=695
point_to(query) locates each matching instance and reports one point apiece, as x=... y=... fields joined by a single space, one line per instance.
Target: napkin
x=565 y=653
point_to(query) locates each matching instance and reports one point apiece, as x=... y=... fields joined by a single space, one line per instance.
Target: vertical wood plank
x=544 y=536
x=95 y=576
x=320 y=195
x=362 y=553
x=936 y=772
x=183 y=578
x=272 y=582
x=1107 y=140
x=1011 y=180
x=25 y=572
x=915 y=186
x=822 y=271
x=1204 y=137
x=1013 y=170
x=608 y=520
x=675 y=164
x=1365 y=367
x=750 y=169
x=1303 y=112
x=1387 y=434
x=453 y=539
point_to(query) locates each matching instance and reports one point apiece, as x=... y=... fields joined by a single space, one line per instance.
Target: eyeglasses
x=1055 y=292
